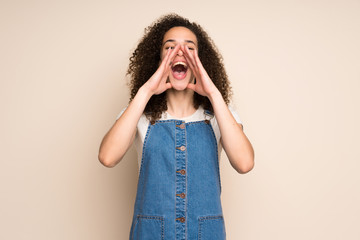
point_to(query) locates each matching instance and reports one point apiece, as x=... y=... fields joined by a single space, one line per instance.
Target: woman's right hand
x=157 y=83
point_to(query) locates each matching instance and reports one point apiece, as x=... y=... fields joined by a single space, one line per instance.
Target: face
x=180 y=74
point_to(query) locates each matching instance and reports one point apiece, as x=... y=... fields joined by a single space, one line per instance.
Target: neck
x=180 y=103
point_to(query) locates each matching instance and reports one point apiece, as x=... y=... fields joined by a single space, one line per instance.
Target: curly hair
x=145 y=61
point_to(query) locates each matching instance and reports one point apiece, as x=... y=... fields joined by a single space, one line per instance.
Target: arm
x=235 y=143
x=121 y=135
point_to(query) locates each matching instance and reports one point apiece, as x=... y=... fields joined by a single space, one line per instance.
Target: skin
x=179 y=44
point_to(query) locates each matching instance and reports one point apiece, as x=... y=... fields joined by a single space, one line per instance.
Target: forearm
x=234 y=141
x=119 y=138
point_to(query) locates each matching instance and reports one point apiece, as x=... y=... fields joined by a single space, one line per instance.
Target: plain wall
x=295 y=73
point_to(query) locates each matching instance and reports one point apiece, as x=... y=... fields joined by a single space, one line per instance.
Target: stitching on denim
x=159 y=218
x=202 y=219
x=144 y=146
x=142 y=160
x=195 y=122
x=163 y=230
x=186 y=183
x=150 y=217
x=199 y=231
x=164 y=121
x=217 y=153
x=212 y=217
x=175 y=174
x=134 y=226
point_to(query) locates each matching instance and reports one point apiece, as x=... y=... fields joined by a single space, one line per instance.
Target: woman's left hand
x=204 y=85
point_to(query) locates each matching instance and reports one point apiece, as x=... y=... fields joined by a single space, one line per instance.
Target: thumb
x=191 y=86
x=168 y=85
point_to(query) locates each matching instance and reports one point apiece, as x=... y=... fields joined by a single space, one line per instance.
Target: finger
x=198 y=65
x=190 y=61
x=197 y=59
x=191 y=86
x=173 y=54
x=168 y=62
x=166 y=58
x=189 y=55
x=192 y=69
x=168 y=85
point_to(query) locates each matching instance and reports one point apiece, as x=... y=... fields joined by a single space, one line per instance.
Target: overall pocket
x=211 y=228
x=148 y=228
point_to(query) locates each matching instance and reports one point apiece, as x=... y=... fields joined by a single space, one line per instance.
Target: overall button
x=182 y=126
x=182 y=148
x=182 y=195
x=182 y=219
x=182 y=172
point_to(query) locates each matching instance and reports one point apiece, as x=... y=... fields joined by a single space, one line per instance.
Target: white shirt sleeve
x=216 y=128
x=235 y=115
x=119 y=115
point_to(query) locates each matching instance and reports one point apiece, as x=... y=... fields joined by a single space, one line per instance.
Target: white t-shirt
x=199 y=115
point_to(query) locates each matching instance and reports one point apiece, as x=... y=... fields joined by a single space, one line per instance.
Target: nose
x=180 y=53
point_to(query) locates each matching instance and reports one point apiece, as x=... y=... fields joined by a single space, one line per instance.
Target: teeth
x=180 y=63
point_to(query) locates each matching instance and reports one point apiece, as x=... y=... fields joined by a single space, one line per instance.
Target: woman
x=179 y=120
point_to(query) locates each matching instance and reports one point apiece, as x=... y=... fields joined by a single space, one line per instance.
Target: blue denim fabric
x=178 y=194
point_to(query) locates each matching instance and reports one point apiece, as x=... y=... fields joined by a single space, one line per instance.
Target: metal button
x=182 y=148
x=182 y=172
x=182 y=126
x=182 y=219
x=182 y=195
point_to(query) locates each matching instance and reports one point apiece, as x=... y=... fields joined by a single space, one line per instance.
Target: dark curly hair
x=145 y=61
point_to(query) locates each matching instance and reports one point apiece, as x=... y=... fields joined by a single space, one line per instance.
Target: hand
x=204 y=85
x=157 y=83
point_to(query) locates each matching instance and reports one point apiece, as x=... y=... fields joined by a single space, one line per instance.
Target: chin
x=179 y=85
x=179 y=88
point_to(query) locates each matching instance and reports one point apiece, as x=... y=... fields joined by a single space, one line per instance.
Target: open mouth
x=179 y=70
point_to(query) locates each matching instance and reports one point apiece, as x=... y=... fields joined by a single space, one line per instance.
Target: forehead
x=180 y=34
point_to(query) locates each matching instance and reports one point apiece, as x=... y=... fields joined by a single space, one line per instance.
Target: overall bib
x=178 y=192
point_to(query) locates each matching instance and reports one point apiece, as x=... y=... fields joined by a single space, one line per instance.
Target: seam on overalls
x=160 y=218
x=174 y=175
x=217 y=153
x=201 y=220
x=144 y=145
x=186 y=183
x=142 y=159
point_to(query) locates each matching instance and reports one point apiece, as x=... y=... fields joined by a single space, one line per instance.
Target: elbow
x=107 y=161
x=245 y=164
x=245 y=168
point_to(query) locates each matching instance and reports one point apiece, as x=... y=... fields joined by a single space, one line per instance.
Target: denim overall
x=178 y=193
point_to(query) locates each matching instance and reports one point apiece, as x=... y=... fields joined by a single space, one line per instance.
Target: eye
x=171 y=47
x=191 y=47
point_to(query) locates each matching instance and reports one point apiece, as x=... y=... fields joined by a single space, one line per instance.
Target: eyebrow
x=172 y=40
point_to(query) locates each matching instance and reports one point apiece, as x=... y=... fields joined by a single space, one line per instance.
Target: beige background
x=295 y=72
